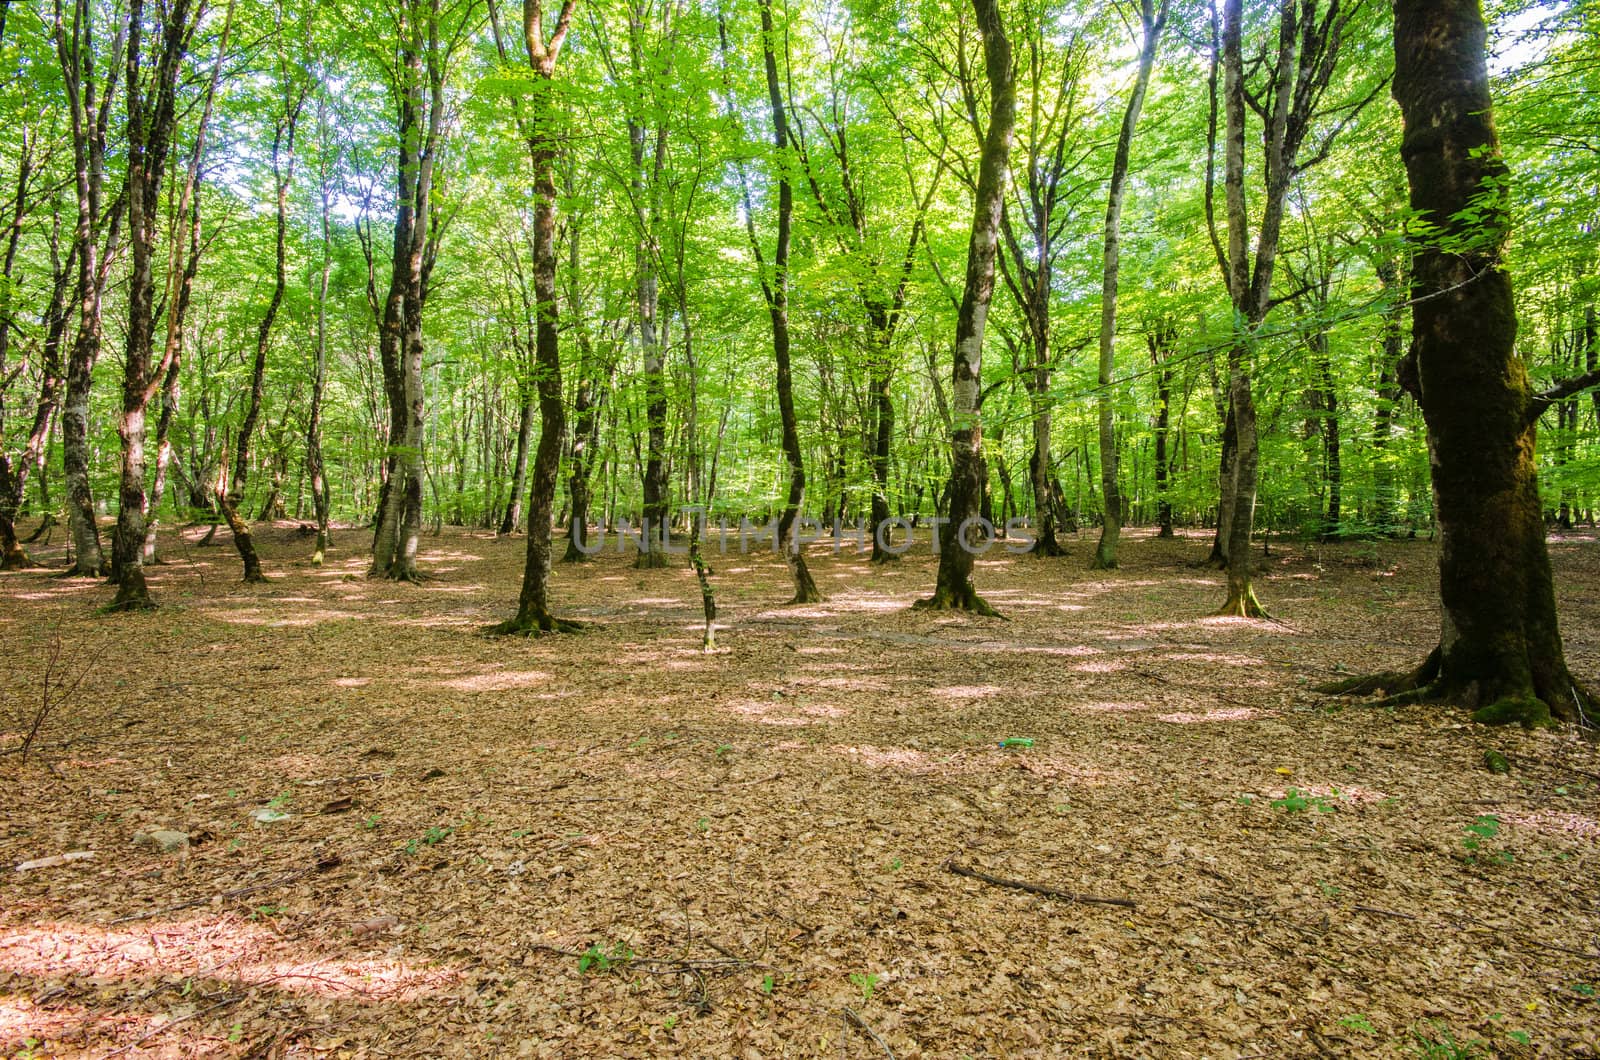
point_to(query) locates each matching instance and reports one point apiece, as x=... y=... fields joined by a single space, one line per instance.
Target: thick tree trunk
x=1388 y=393
x=954 y=588
x=152 y=117
x=1105 y=555
x=1499 y=650
x=880 y=375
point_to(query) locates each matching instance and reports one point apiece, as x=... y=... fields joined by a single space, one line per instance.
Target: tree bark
x=954 y=588
x=1499 y=651
x=152 y=119
x=1105 y=555
x=533 y=605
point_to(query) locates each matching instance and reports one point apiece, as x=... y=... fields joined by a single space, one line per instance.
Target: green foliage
x=1297 y=801
x=865 y=982
x=602 y=958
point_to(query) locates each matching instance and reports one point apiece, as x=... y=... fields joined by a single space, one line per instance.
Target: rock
x=267 y=815
x=163 y=839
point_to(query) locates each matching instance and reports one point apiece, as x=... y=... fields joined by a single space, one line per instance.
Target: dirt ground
x=408 y=839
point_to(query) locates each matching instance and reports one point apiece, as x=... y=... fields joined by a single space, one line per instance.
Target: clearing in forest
x=400 y=837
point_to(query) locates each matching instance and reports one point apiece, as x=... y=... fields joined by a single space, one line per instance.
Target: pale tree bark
x=315 y=468
x=1105 y=555
x=954 y=589
x=1307 y=54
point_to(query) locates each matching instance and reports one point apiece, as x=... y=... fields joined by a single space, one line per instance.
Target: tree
x=533 y=605
x=954 y=589
x=1499 y=651
x=152 y=119
x=775 y=291
x=1105 y=554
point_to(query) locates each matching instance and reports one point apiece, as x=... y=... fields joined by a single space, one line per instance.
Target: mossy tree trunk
x=1499 y=649
x=954 y=589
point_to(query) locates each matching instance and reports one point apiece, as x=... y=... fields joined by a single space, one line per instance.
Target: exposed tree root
x=1508 y=706
x=962 y=599
x=1046 y=548
x=17 y=560
x=885 y=558
x=537 y=625
x=1242 y=604
x=130 y=599
x=651 y=560
x=1102 y=562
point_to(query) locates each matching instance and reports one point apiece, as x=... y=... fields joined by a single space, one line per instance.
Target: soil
x=406 y=838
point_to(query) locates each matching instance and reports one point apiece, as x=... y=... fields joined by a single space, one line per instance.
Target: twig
x=240 y=892
x=235 y=999
x=1033 y=888
x=852 y=1017
x=1385 y=912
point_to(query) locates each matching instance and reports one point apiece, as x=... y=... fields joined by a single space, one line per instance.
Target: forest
x=804 y=527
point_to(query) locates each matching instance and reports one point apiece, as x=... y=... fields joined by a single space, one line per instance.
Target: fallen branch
x=852 y=1017
x=224 y=1003
x=1033 y=888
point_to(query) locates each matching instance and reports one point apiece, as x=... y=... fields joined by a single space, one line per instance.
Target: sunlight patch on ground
x=1555 y=822
x=352 y=682
x=1110 y=707
x=967 y=691
x=1189 y=717
x=220 y=947
x=497 y=682
x=1225 y=657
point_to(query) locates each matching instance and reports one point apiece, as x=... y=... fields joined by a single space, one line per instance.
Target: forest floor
x=614 y=844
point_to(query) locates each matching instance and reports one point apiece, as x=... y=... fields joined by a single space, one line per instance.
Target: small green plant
x=1357 y=1022
x=432 y=837
x=372 y=821
x=236 y=1033
x=723 y=750
x=1328 y=889
x=1584 y=989
x=669 y=1023
x=896 y=865
x=1475 y=841
x=265 y=912
x=1296 y=801
x=1433 y=1041
x=280 y=800
x=768 y=983
x=864 y=982
x=600 y=960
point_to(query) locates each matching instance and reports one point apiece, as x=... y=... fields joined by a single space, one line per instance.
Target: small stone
x=165 y=840
x=267 y=815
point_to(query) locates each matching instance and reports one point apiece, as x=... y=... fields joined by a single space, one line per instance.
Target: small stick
x=1033 y=888
x=850 y=1015
x=181 y=1019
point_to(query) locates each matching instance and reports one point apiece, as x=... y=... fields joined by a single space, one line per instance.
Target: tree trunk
x=1499 y=650
x=776 y=293
x=1105 y=555
x=533 y=605
x=527 y=400
x=152 y=118
x=954 y=588
x=1160 y=342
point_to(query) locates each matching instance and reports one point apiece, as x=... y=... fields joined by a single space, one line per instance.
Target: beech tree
x=1499 y=651
x=954 y=589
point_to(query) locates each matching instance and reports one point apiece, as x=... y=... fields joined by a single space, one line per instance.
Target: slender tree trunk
x=315 y=470
x=954 y=588
x=1160 y=342
x=776 y=292
x=533 y=604
x=1105 y=555
x=527 y=402
x=152 y=118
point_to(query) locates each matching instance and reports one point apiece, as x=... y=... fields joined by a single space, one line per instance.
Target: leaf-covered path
x=406 y=838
